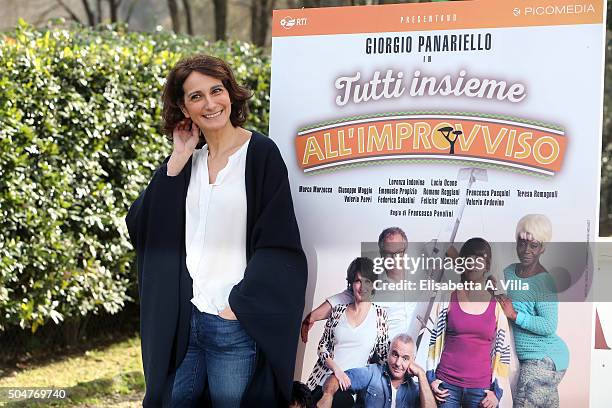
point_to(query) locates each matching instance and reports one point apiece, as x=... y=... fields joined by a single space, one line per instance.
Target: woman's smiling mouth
x=213 y=115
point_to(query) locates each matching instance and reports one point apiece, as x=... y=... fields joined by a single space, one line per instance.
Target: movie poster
x=450 y=121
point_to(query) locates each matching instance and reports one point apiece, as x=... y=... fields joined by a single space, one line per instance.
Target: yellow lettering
x=374 y=138
x=522 y=141
x=493 y=146
x=312 y=148
x=439 y=141
x=466 y=144
x=402 y=131
x=537 y=150
x=510 y=145
x=329 y=153
x=360 y=142
x=342 y=149
x=422 y=129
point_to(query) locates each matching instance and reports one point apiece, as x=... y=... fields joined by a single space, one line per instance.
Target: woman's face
x=206 y=102
x=478 y=271
x=362 y=288
x=529 y=251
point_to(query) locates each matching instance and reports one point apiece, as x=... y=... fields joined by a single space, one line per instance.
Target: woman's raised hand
x=186 y=136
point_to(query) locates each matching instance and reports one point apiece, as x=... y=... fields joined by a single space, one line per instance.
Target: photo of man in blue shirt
x=387 y=385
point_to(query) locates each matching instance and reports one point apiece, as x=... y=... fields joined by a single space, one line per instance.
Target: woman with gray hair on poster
x=533 y=313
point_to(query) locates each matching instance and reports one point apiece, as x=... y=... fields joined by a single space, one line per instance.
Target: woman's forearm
x=177 y=163
x=332 y=365
x=544 y=323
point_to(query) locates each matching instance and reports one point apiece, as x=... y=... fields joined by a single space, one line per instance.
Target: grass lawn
x=105 y=377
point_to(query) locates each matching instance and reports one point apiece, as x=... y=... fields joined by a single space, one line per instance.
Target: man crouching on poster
x=386 y=385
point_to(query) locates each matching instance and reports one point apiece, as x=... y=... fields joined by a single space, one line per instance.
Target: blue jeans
x=459 y=397
x=220 y=355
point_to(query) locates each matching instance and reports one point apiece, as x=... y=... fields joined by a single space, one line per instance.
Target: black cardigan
x=269 y=300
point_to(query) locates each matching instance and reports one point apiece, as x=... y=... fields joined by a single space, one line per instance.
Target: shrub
x=79 y=138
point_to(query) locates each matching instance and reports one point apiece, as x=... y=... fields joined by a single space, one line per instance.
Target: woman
x=469 y=354
x=221 y=271
x=543 y=355
x=355 y=334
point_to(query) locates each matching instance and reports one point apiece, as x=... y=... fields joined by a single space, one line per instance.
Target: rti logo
x=289 y=22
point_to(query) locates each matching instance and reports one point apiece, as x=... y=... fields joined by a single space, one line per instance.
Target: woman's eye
x=194 y=97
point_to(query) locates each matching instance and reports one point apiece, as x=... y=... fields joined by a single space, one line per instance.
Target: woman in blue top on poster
x=533 y=313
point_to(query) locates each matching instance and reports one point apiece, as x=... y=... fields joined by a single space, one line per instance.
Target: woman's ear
x=184 y=110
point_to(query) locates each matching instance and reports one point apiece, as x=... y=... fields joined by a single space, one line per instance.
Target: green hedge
x=79 y=138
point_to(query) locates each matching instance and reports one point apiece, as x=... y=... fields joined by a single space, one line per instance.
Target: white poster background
x=562 y=71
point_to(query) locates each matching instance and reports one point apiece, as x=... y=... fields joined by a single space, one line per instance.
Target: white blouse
x=353 y=344
x=215 y=230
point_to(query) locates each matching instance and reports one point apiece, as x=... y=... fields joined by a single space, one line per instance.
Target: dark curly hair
x=363 y=266
x=174 y=94
x=301 y=396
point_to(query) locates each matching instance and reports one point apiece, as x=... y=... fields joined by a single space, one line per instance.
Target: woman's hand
x=307 y=324
x=227 y=314
x=490 y=401
x=439 y=394
x=343 y=379
x=507 y=306
x=185 y=136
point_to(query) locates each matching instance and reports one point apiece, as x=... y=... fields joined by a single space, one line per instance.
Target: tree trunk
x=113 y=5
x=261 y=11
x=255 y=6
x=174 y=16
x=220 y=19
x=266 y=16
x=187 y=7
x=74 y=330
x=311 y=3
x=91 y=18
x=130 y=10
x=98 y=11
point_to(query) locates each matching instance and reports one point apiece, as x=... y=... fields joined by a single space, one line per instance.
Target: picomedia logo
x=555 y=9
x=289 y=22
